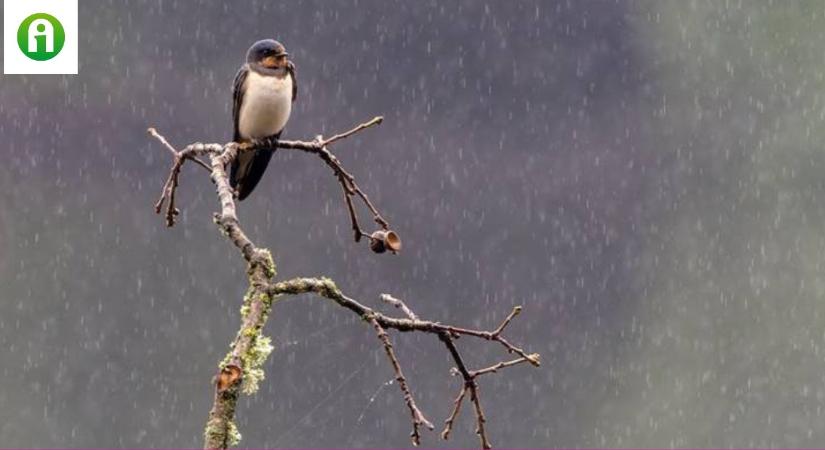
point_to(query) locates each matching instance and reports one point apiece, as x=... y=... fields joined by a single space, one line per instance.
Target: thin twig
x=496 y=367
x=356 y=228
x=351 y=187
x=169 y=189
x=516 y=311
x=481 y=431
x=348 y=184
x=448 y=424
x=152 y=131
x=172 y=182
x=418 y=418
x=398 y=303
x=375 y=121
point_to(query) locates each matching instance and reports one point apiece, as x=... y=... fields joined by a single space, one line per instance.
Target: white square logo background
x=14 y=12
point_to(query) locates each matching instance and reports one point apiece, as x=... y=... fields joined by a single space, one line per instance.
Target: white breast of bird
x=266 y=105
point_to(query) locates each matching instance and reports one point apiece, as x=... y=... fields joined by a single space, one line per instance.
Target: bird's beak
x=270 y=61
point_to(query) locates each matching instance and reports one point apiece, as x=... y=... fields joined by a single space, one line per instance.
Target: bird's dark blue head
x=268 y=53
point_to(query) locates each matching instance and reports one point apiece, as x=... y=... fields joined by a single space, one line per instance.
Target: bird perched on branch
x=264 y=90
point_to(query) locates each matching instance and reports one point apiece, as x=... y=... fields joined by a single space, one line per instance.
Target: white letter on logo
x=46 y=30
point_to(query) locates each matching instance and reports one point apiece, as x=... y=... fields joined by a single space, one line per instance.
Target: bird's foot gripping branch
x=241 y=369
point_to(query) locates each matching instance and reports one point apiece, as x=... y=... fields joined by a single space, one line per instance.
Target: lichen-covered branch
x=242 y=369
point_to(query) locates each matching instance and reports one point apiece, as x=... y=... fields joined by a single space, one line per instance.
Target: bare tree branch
x=242 y=368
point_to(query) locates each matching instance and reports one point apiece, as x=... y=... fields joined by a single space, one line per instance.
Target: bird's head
x=268 y=53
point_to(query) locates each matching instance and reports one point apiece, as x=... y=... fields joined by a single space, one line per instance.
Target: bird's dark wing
x=248 y=168
x=237 y=98
x=292 y=73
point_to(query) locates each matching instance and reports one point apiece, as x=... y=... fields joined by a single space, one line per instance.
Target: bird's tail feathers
x=247 y=170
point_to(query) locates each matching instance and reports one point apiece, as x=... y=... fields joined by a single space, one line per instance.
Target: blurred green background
x=641 y=176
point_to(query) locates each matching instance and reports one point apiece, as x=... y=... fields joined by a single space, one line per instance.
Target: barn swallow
x=264 y=90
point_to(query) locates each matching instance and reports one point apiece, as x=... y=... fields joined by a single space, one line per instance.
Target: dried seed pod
x=383 y=240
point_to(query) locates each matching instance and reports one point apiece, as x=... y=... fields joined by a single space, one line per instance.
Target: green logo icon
x=41 y=37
